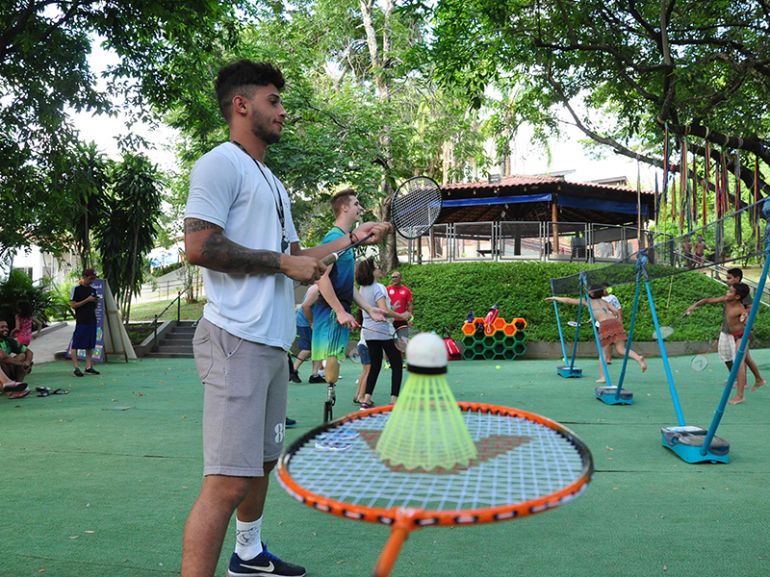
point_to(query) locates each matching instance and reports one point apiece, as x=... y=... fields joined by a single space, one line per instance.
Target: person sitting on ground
x=735 y=316
x=15 y=358
x=12 y=389
x=25 y=323
x=611 y=331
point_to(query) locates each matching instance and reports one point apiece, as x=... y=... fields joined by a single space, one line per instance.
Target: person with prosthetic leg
x=332 y=319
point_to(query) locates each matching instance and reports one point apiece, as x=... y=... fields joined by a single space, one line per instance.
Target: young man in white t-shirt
x=238 y=227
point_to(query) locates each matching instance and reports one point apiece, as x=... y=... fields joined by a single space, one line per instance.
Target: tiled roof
x=525 y=180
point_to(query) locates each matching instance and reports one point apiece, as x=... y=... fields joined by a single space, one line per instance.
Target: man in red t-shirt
x=400 y=298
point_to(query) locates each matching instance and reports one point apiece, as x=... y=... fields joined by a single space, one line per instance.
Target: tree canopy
x=45 y=75
x=622 y=69
x=377 y=91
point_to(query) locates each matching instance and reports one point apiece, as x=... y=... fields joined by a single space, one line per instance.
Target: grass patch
x=147 y=311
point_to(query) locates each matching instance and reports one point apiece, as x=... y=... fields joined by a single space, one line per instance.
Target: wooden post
x=555 y=227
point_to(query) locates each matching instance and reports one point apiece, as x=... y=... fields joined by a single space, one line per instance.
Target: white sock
x=248 y=538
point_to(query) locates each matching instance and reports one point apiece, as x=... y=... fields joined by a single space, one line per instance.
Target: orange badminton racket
x=526 y=464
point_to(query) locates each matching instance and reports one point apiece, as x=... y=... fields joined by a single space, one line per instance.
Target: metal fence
x=523 y=240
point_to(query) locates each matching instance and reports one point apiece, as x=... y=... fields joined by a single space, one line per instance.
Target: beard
x=262 y=129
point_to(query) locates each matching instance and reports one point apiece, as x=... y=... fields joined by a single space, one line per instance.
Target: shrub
x=445 y=293
x=18 y=287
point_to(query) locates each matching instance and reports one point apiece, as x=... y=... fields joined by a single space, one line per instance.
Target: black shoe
x=78 y=372
x=290 y=423
x=92 y=371
x=316 y=379
x=294 y=377
x=263 y=565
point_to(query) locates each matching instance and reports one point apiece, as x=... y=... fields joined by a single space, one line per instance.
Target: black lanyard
x=276 y=196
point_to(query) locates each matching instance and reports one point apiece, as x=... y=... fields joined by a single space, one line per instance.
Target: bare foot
x=736 y=401
x=643 y=364
x=601 y=381
x=758 y=384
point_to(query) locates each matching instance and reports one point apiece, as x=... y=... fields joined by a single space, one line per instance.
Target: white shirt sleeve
x=213 y=185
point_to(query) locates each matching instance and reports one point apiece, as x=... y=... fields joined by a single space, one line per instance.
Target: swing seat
x=687 y=443
x=569 y=372
x=609 y=396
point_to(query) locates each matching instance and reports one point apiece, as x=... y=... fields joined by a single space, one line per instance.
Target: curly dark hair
x=242 y=76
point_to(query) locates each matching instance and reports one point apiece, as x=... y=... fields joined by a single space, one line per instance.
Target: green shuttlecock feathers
x=426 y=429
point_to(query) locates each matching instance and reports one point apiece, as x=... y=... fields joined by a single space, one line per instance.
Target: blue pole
x=561 y=335
x=639 y=265
x=663 y=354
x=577 y=332
x=605 y=370
x=741 y=348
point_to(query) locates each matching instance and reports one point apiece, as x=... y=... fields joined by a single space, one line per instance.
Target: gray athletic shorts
x=244 y=401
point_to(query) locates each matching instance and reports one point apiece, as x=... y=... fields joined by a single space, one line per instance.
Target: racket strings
x=544 y=463
x=416 y=206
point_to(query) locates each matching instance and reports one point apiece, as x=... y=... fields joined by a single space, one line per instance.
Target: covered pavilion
x=523 y=216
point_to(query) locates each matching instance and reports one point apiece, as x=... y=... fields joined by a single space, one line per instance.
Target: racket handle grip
x=330 y=259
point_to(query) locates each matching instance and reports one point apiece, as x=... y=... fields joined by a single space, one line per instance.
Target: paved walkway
x=52 y=340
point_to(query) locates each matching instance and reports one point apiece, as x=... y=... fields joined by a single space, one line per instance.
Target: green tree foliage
x=45 y=75
x=127 y=233
x=85 y=181
x=620 y=70
x=17 y=287
x=363 y=109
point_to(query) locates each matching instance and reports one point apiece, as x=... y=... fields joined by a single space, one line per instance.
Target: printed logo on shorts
x=279 y=432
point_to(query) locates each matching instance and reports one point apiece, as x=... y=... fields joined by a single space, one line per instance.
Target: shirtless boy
x=735 y=319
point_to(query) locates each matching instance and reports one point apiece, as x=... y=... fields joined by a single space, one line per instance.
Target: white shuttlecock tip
x=426 y=351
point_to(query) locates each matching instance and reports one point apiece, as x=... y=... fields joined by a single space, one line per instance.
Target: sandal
x=43 y=391
x=14 y=387
x=366 y=405
x=60 y=392
x=17 y=394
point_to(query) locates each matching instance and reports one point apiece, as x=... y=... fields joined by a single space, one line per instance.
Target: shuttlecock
x=426 y=428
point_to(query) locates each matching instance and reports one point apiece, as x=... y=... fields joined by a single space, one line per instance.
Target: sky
x=104 y=129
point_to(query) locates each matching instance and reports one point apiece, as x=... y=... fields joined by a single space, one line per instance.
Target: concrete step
x=175 y=348
x=174 y=336
x=168 y=355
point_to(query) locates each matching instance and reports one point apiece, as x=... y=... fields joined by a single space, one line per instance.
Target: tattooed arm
x=207 y=246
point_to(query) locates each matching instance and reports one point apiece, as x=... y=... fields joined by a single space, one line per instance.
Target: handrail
x=716 y=269
x=178 y=301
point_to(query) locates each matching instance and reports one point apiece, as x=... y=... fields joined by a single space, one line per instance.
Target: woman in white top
x=379 y=335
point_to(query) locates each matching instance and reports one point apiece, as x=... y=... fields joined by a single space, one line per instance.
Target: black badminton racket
x=401 y=340
x=414 y=208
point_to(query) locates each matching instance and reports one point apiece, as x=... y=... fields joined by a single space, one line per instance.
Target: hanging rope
x=694 y=208
x=738 y=219
x=706 y=179
x=682 y=184
x=665 y=169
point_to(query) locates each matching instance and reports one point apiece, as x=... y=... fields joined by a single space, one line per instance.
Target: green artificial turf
x=98 y=482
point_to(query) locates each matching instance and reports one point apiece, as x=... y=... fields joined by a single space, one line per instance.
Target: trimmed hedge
x=445 y=293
